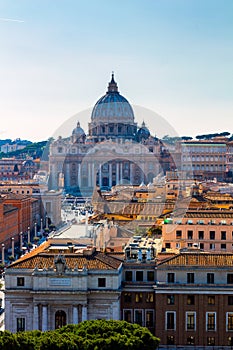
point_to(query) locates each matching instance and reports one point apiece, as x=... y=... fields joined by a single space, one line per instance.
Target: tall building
x=114 y=151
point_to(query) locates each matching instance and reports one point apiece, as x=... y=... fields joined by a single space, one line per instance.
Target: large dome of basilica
x=112 y=107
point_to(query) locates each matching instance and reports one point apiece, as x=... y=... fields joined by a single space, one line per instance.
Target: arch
x=60 y=319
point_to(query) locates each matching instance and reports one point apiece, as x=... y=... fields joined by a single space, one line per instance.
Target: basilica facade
x=113 y=151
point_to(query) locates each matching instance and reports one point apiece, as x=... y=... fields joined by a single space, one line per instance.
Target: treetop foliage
x=87 y=335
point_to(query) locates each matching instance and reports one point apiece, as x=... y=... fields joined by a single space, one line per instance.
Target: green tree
x=88 y=335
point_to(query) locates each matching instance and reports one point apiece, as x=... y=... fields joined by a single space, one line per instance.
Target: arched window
x=60 y=319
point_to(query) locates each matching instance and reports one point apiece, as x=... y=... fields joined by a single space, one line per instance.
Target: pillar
x=79 y=175
x=117 y=173
x=75 y=315
x=121 y=172
x=131 y=173
x=35 y=317
x=89 y=174
x=100 y=176
x=44 y=318
x=84 y=312
x=110 y=175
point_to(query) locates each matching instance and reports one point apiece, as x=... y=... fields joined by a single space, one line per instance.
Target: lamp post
x=3 y=253
x=35 y=229
x=13 y=246
x=20 y=240
x=28 y=234
x=41 y=225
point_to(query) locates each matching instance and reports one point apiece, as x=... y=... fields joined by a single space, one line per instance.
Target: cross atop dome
x=112 y=86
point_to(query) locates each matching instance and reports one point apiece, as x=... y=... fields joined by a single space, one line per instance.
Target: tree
x=87 y=335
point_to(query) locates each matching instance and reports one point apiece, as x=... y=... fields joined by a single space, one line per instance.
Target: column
x=44 y=318
x=93 y=176
x=121 y=172
x=117 y=173
x=84 y=312
x=35 y=317
x=110 y=175
x=75 y=314
x=100 y=176
x=115 y=310
x=79 y=175
x=67 y=175
x=131 y=173
x=89 y=174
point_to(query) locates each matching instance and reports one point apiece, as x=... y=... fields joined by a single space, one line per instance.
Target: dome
x=112 y=107
x=143 y=132
x=78 y=131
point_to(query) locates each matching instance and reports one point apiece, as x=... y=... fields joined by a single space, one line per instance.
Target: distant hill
x=34 y=150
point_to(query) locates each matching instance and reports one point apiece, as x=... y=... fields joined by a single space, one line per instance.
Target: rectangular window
x=191 y=299
x=212 y=234
x=139 y=276
x=127 y=297
x=211 y=321
x=20 y=324
x=190 y=321
x=230 y=278
x=138 y=317
x=129 y=276
x=178 y=234
x=138 y=297
x=171 y=299
x=200 y=234
x=170 y=320
x=190 y=277
x=212 y=246
x=150 y=297
x=210 y=278
x=150 y=276
x=127 y=315
x=149 y=318
x=223 y=246
x=223 y=235
x=101 y=282
x=230 y=299
x=171 y=277
x=211 y=300
x=190 y=234
x=20 y=281
x=229 y=321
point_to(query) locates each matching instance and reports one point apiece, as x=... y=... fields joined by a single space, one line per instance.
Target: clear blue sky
x=172 y=56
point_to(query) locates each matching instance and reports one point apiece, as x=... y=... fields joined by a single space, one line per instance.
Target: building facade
x=114 y=151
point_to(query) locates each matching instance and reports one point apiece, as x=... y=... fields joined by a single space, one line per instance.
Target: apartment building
x=208 y=229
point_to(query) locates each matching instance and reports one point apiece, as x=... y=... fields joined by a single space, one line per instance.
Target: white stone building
x=61 y=283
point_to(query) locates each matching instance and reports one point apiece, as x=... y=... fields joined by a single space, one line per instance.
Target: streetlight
x=28 y=234
x=20 y=240
x=3 y=253
x=13 y=246
x=35 y=229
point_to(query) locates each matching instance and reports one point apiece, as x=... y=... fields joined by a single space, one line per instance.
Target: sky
x=172 y=57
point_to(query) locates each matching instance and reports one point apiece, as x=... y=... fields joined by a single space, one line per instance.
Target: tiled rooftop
x=200 y=259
